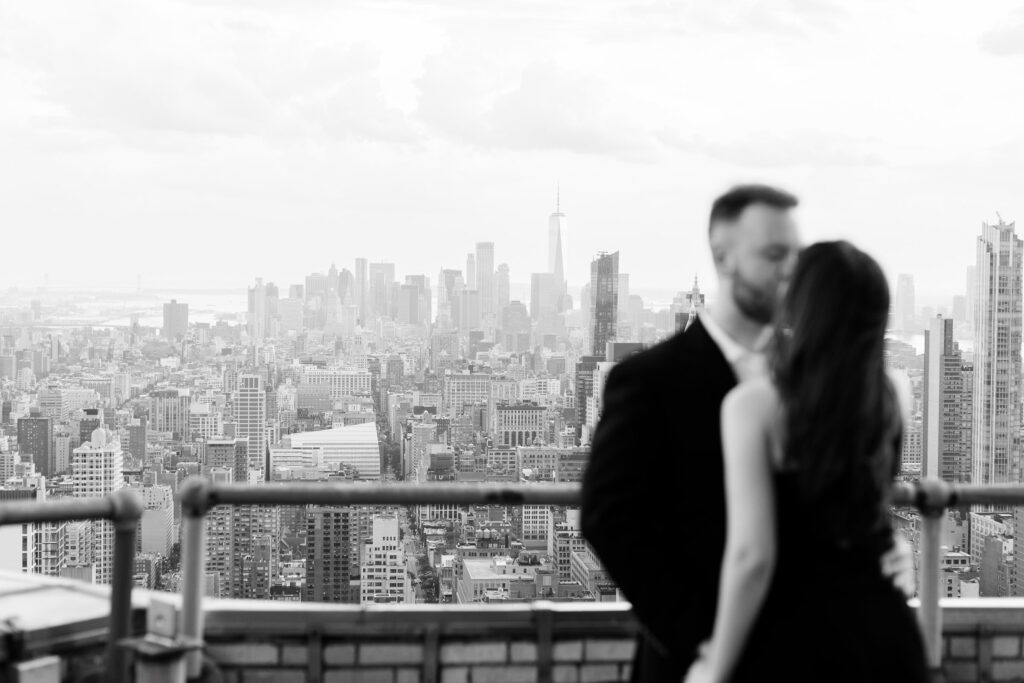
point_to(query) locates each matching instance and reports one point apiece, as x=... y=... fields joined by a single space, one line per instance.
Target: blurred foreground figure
x=810 y=455
x=655 y=480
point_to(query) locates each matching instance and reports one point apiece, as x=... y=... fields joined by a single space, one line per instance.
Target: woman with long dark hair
x=810 y=455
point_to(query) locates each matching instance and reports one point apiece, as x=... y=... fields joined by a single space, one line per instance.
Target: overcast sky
x=200 y=143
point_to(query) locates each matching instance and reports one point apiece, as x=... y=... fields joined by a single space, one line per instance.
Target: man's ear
x=721 y=239
x=718 y=255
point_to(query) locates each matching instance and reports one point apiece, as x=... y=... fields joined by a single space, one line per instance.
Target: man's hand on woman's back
x=898 y=565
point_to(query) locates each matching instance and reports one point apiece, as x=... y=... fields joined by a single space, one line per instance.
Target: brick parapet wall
x=252 y=641
x=591 y=660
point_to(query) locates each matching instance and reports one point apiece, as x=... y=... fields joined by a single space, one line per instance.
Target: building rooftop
x=360 y=434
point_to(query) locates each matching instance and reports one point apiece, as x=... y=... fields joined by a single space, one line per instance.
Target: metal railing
x=124 y=509
x=932 y=498
x=198 y=496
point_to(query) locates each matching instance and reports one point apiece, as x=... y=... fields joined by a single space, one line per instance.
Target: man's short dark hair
x=730 y=205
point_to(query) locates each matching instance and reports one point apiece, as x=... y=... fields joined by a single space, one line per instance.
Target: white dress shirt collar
x=731 y=348
x=745 y=363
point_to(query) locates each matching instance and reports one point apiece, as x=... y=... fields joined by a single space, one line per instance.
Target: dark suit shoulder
x=691 y=347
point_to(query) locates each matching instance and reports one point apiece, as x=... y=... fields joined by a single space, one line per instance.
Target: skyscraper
x=330 y=561
x=449 y=282
x=485 y=277
x=556 y=244
x=250 y=420
x=91 y=420
x=972 y=294
x=470 y=271
x=904 y=313
x=604 y=301
x=543 y=296
x=382 y=277
x=169 y=411
x=584 y=385
x=515 y=327
x=384 y=576
x=35 y=439
x=255 y=554
x=332 y=280
x=137 y=437
x=360 y=286
x=997 y=359
x=408 y=305
x=272 y=302
x=345 y=283
x=98 y=470
x=623 y=291
x=946 y=439
x=175 y=320
x=503 y=286
x=317 y=285
x=257 y=313
x=468 y=313
x=423 y=298
x=228 y=454
x=219 y=550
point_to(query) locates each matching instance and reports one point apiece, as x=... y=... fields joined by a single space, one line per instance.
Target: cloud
x=550 y=108
x=553 y=108
x=771 y=149
x=355 y=110
x=159 y=68
x=794 y=18
x=1006 y=40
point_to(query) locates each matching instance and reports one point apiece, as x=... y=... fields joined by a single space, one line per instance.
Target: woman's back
x=807 y=538
x=830 y=613
x=802 y=595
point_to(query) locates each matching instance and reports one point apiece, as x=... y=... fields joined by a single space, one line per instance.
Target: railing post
x=431 y=655
x=127 y=510
x=932 y=498
x=194 y=504
x=545 y=641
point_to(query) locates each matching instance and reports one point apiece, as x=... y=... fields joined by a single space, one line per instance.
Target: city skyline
x=347 y=308
x=221 y=140
x=346 y=377
x=520 y=288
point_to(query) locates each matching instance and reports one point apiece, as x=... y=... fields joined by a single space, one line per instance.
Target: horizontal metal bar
x=198 y=495
x=987 y=494
x=930 y=494
x=121 y=506
x=939 y=494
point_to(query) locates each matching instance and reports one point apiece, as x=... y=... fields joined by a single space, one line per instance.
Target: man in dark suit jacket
x=654 y=491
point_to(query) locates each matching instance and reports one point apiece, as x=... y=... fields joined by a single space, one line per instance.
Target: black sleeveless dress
x=830 y=614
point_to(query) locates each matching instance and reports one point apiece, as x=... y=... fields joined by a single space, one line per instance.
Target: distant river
x=116 y=309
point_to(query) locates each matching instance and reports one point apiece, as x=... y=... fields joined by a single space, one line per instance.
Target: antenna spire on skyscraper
x=558 y=197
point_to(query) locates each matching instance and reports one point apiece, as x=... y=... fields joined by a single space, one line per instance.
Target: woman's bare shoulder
x=755 y=397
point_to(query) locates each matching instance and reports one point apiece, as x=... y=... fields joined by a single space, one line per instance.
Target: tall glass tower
x=485 y=276
x=604 y=301
x=556 y=245
x=251 y=420
x=997 y=355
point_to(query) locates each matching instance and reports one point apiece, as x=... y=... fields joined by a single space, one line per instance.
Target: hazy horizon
x=212 y=143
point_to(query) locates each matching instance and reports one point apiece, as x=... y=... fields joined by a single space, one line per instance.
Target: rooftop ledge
x=255 y=640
